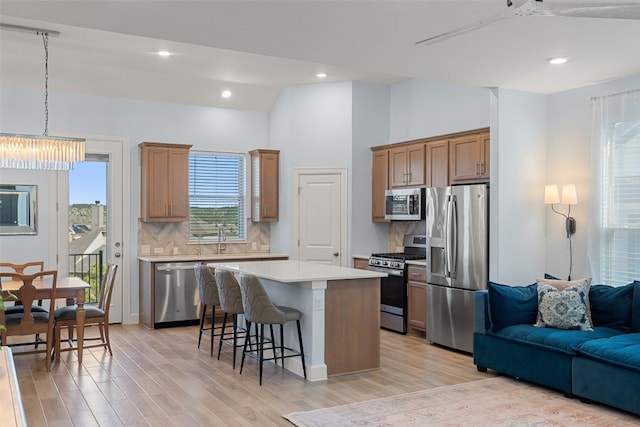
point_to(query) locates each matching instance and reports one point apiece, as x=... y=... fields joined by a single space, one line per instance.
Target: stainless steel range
x=393 y=289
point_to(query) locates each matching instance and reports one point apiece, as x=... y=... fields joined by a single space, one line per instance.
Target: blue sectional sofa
x=601 y=365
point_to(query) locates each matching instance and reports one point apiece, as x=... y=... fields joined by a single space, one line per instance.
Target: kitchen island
x=341 y=312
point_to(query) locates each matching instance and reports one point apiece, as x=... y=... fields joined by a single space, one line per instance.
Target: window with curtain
x=216 y=196
x=615 y=210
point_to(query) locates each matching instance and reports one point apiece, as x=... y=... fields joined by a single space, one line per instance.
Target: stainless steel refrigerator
x=457 y=220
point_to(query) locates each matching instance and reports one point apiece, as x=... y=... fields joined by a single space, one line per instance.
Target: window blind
x=620 y=244
x=216 y=195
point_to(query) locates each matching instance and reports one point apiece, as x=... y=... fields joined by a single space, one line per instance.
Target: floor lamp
x=569 y=197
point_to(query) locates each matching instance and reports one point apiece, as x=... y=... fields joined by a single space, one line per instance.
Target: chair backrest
x=207 y=287
x=24 y=323
x=20 y=268
x=229 y=292
x=106 y=289
x=258 y=307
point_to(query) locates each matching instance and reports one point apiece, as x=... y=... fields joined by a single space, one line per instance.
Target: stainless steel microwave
x=404 y=204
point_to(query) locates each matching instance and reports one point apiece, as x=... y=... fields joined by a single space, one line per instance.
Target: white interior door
x=321 y=211
x=110 y=154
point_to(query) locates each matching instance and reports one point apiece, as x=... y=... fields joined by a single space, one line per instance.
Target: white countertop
x=421 y=262
x=290 y=271
x=210 y=257
x=360 y=256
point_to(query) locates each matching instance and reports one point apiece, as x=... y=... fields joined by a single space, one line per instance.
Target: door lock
x=336 y=254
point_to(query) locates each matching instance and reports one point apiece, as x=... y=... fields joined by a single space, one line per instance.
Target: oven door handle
x=389 y=271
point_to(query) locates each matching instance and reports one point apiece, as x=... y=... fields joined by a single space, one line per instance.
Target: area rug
x=499 y=401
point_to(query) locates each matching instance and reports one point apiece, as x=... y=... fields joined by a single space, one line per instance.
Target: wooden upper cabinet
x=469 y=158
x=437 y=163
x=379 y=183
x=264 y=185
x=406 y=165
x=164 y=182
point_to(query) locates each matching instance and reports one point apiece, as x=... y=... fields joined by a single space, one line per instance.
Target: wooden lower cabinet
x=417 y=298
x=361 y=264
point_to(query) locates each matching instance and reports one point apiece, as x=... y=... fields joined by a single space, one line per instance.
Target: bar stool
x=231 y=303
x=208 y=291
x=259 y=309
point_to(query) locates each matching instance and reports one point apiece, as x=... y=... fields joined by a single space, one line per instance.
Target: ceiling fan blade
x=467 y=28
x=602 y=10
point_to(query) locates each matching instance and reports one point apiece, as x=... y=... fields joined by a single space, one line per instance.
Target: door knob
x=336 y=254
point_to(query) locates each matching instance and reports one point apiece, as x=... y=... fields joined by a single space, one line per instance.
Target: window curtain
x=614 y=210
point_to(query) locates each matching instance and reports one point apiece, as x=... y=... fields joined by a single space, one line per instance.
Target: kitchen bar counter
x=151 y=315
x=341 y=312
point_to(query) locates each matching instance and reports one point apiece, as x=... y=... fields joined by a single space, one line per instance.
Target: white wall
x=370 y=128
x=424 y=108
x=311 y=126
x=518 y=164
x=206 y=128
x=569 y=162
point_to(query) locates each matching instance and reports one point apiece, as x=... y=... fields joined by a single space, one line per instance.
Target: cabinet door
x=417 y=300
x=178 y=184
x=465 y=162
x=415 y=165
x=417 y=297
x=398 y=167
x=264 y=185
x=157 y=184
x=486 y=156
x=437 y=164
x=379 y=183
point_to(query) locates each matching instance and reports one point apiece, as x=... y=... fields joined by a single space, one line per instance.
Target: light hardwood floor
x=160 y=378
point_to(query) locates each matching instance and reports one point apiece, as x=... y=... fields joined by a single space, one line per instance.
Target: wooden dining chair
x=17 y=307
x=97 y=315
x=30 y=321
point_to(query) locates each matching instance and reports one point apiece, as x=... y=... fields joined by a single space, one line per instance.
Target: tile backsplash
x=398 y=229
x=172 y=236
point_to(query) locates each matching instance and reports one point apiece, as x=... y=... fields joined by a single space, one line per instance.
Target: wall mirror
x=18 y=205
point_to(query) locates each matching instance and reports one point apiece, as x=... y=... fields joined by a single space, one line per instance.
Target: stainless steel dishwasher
x=176 y=299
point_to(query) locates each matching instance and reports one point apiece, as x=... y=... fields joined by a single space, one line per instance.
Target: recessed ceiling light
x=226 y=94
x=557 y=60
x=321 y=75
x=164 y=53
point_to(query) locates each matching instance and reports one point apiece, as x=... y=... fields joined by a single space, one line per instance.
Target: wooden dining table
x=71 y=288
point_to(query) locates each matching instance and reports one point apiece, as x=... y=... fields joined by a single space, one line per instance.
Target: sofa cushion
x=611 y=306
x=563 y=309
x=622 y=350
x=561 y=285
x=566 y=341
x=512 y=305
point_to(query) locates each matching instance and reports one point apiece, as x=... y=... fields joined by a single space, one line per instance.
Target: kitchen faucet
x=221 y=238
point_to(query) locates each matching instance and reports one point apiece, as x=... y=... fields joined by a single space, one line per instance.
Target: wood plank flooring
x=160 y=378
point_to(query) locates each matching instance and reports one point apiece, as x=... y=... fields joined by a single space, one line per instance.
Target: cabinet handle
x=478 y=168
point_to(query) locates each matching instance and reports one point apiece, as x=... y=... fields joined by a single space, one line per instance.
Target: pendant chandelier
x=35 y=151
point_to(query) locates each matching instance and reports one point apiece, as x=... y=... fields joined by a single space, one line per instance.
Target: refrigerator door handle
x=453 y=242
x=447 y=237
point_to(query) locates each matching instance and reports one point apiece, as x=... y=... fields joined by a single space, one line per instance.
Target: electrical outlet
x=254 y=246
x=158 y=251
x=318 y=303
x=146 y=249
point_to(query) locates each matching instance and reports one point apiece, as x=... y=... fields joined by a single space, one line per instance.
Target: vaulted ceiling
x=256 y=48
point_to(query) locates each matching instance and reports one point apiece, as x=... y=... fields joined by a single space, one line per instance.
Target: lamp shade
x=551 y=194
x=569 y=195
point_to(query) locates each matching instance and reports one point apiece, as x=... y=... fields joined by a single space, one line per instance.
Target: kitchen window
x=615 y=237
x=216 y=196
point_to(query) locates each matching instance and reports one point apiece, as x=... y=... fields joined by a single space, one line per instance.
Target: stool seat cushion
x=290 y=313
x=69 y=312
